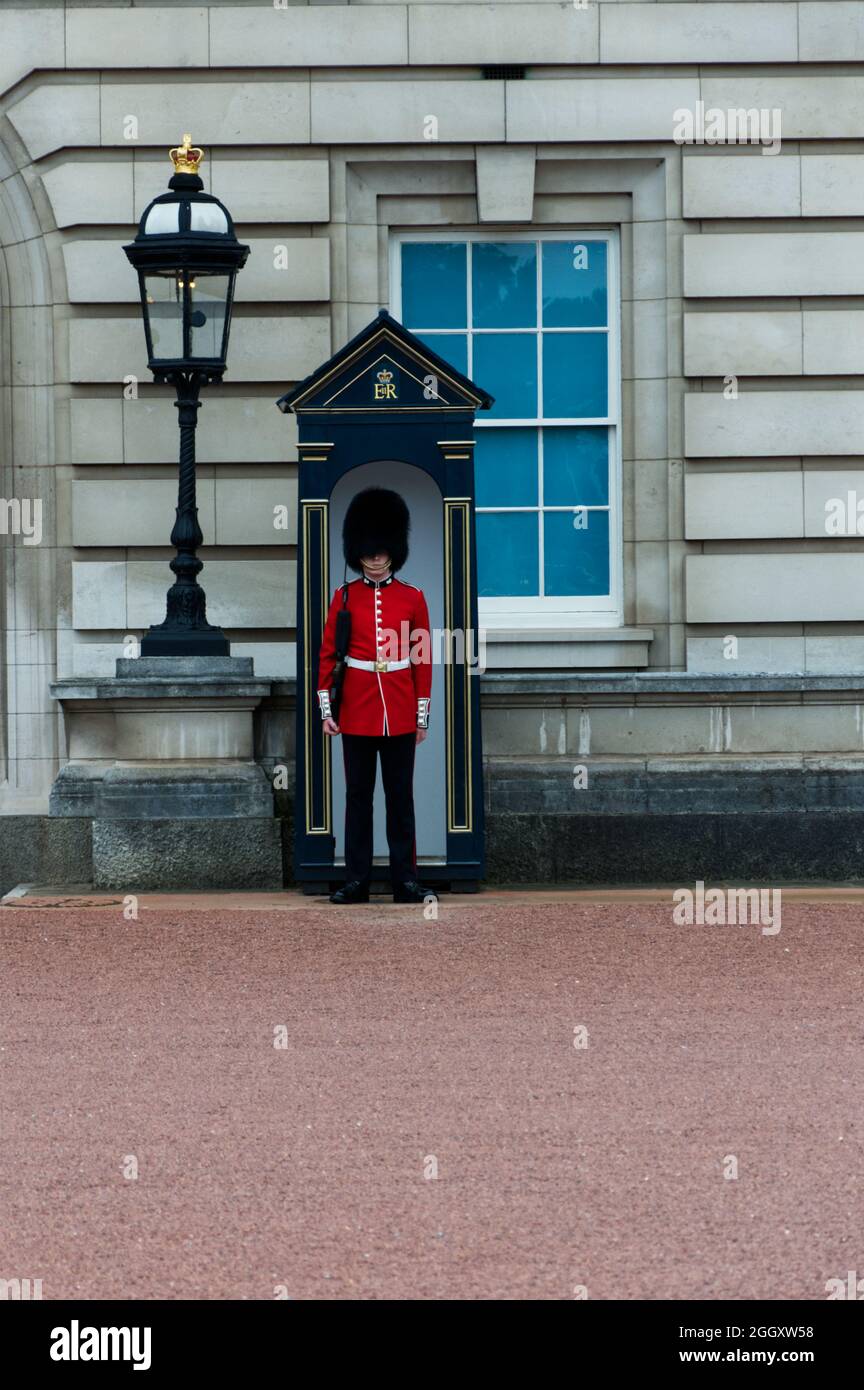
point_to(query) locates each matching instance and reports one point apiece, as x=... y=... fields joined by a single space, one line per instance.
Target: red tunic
x=389 y=619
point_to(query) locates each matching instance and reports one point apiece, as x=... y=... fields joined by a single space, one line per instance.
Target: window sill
x=562 y=649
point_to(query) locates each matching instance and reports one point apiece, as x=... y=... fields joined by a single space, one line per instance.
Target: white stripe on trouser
x=383 y=701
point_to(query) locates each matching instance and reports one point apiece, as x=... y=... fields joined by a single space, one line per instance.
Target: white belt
x=377 y=665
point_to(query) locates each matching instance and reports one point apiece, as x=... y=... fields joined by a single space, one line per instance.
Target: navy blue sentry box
x=388 y=410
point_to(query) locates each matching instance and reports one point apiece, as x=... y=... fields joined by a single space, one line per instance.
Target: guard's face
x=376 y=564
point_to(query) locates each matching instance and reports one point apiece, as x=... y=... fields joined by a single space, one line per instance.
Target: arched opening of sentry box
x=425 y=570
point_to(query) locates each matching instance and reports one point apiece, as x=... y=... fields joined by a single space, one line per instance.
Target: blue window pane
x=504 y=284
x=576 y=554
x=574 y=284
x=505 y=365
x=506 y=468
x=576 y=466
x=434 y=284
x=574 y=375
x=507 y=554
x=453 y=347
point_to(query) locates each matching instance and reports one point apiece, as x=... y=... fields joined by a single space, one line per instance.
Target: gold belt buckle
x=381 y=665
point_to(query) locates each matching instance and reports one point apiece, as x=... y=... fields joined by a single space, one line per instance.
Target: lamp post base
x=209 y=641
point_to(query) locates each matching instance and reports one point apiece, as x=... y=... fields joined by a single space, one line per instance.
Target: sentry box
x=386 y=411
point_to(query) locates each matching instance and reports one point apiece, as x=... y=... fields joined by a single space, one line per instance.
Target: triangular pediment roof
x=385 y=369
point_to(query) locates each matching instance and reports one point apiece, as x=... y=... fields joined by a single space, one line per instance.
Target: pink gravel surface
x=416 y=1045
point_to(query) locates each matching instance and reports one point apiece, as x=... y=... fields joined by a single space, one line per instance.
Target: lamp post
x=187 y=257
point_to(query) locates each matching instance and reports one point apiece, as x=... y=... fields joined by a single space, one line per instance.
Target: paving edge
x=77 y=897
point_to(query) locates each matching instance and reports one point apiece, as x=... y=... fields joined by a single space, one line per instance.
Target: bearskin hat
x=377 y=520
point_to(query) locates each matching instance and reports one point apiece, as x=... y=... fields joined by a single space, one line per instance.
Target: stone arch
x=30 y=723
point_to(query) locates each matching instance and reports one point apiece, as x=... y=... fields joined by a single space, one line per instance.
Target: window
x=532 y=319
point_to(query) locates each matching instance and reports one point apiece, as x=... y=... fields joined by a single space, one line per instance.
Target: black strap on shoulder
x=343 y=627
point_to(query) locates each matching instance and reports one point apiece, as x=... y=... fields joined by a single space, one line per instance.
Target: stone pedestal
x=161 y=760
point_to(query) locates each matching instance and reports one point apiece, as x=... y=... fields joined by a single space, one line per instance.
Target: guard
x=382 y=707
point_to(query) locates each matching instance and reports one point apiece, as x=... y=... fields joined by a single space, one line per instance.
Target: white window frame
x=559 y=611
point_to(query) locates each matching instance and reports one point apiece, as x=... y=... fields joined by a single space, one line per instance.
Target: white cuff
x=423 y=713
x=324 y=704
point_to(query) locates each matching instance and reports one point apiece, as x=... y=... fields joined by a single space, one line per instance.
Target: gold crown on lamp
x=186 y=157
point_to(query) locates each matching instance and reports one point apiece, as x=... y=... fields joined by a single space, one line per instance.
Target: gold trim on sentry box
x=382 y=334
x=466 y=670
x=382 y=409
x=370 y=366
x=322 y=507
x=451 y=506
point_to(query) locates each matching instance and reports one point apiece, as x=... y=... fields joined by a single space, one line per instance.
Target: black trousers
x=361 y=752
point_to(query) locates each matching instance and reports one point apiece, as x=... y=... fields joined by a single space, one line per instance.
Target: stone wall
x=735 y=264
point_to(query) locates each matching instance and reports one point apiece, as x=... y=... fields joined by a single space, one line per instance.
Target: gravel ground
x=414 y=1047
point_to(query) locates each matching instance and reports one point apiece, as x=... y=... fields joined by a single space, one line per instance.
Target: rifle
x=343 y=637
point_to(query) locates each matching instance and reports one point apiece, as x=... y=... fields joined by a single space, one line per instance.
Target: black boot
x=356 y=891
x=411 y=892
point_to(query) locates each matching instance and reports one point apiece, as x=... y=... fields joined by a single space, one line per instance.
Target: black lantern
x=187 y=257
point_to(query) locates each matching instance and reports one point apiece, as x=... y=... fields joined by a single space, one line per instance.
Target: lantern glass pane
x=162 y=218
x=207 y=217
x=164 y=296
x=208 y=304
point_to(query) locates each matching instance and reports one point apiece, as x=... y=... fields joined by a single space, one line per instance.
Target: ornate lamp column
x=187 y=257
